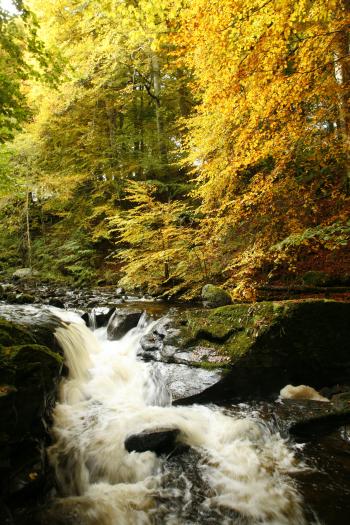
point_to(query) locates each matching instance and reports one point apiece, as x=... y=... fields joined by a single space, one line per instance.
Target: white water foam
x=110 y=395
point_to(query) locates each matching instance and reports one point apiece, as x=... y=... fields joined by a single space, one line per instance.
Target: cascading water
x=110 y=395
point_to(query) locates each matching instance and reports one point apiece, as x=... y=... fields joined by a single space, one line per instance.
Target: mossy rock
x=13 y=333
x=342 y=401
x=29 y=367
x=272 y=344
x=29 y=375
x=315 y=278
x=24 y=298
x=214 y=296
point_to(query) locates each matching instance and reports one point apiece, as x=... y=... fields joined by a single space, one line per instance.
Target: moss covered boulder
x=271 y=344
x=30 y=368
x=214 y=296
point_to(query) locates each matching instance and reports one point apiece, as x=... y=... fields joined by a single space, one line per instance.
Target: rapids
x=235 y=471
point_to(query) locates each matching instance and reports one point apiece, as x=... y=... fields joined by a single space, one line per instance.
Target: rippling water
x=233 y=470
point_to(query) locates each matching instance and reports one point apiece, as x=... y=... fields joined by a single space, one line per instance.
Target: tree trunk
x=159 y=120
x=29 y=244
x=342 y=74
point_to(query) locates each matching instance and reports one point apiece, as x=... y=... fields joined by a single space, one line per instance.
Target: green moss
x=238 y=346
x=209 y=365
x=21 y=355
x=13 y=333
x=215 y=296
x=273 y=328
x=31 y=362
x=314 y=278
x=230 y=329
x=31 y=353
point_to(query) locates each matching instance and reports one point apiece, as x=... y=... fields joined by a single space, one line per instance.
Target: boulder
x=24 y=273
x=214 y=296
x=159 y=440
x=98 y=316
x=272 y=344
x=315 y=278
x=7 y=287
x=55 y=301
x=30 y=369
x=23 y=298
x=122 y=321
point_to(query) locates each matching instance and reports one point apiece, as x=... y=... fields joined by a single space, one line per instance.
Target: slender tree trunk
x=342 y=74
x=159 y=120
x=28 y=239
x=184 y=103
x=166 y=263
x=112 y=123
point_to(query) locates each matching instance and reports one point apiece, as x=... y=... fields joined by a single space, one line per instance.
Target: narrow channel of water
x=234 y=471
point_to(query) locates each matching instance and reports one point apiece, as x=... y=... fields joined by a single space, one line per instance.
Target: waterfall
x=110 y=395
x=92 y=320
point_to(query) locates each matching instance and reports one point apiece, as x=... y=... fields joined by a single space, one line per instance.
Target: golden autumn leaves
x=206 y=133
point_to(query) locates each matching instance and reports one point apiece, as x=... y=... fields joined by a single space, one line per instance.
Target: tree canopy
x=186 y=142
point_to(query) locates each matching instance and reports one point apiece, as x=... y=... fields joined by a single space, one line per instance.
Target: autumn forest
x=164 y=144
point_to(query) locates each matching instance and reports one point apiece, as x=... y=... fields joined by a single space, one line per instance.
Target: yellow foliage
x=270 y=137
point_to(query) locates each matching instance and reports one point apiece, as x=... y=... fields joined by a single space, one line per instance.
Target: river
x=229 y=470
x=236 y=464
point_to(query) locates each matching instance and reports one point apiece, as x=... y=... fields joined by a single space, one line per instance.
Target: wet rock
x=163 y=335
x=159 y=440
x=182 y=380
x=120 y=291
x=29 y=373
x=316 y=419
x=271 y=344
x=37 y=321
x=214 y=296
x=151 y=342
x=55 y=301
x=24 y=298
x=86 y=318
x=170 y=342
x=342 y=401
x=121 y=322
x=98 y=317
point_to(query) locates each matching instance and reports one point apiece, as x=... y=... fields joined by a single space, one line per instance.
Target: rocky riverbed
x=230 y=355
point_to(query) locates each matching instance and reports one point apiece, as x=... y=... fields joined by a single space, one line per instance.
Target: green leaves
x=332 y=236
x=22 y=56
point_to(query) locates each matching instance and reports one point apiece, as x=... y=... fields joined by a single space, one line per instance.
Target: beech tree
x=270 y=135
x=190 y=142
